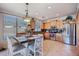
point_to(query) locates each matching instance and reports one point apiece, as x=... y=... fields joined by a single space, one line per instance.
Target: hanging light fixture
x=27 y=18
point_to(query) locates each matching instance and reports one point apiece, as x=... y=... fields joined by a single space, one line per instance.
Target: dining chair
x=15 y=50
x=36 y=48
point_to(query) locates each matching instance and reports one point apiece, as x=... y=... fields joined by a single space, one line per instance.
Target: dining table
x=28 y=38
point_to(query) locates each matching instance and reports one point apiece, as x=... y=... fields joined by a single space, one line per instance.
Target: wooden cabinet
x=47 y=35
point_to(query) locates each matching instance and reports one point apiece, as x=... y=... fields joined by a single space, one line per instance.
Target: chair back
x=9 y=45
x=39 y=44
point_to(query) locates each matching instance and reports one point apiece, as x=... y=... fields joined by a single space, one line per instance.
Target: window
x=13 y=25
x=21 y=25
x=10 y=25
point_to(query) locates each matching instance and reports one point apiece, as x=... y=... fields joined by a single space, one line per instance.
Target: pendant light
x=27 y=18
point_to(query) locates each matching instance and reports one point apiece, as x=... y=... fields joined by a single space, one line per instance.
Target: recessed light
x=49 y=7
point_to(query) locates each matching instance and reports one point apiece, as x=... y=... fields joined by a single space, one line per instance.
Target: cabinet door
x=47 y=35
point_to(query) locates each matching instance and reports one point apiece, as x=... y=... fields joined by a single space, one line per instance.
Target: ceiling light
x=27 y=18
x=49 y=7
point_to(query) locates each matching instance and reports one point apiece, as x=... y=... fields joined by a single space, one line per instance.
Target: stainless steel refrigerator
x=69 y=35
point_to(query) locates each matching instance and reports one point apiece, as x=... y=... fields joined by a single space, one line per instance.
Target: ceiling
x=39 y=10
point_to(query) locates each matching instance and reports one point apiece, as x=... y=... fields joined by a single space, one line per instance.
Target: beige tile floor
x=54 y=48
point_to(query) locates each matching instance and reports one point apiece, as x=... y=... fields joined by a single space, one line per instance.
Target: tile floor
x=55 y=48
